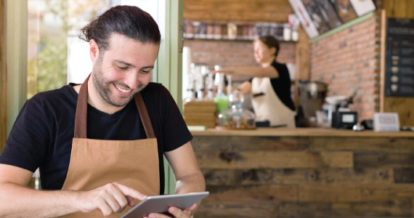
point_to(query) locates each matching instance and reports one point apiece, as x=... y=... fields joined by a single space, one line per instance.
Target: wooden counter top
x=301 y=132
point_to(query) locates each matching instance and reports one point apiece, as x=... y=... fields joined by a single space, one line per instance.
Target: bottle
x=189 y=94
x=210 y=87
x=221 y=99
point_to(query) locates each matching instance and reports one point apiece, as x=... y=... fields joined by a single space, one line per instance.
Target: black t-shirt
x=43 y=131
x=281 y=85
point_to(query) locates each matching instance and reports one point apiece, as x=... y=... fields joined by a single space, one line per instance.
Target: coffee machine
x=337 y=112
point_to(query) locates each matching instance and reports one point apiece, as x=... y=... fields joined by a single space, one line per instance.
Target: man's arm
x=187 y=173
x=16 y=200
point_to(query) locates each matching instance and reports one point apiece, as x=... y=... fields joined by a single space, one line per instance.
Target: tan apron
x=94 y=163
x=268 y=106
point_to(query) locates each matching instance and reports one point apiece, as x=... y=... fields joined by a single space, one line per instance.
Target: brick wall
x=226 y=53
x=348 y=61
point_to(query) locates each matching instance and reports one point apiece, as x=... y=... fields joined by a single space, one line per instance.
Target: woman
x=269 y=86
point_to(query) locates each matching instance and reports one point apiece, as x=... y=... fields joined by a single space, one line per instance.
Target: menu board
x=399 y=57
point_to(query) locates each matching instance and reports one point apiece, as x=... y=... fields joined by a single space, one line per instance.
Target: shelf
x=230 y=40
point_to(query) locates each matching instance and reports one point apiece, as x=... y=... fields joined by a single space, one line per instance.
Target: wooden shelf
x=230 y=40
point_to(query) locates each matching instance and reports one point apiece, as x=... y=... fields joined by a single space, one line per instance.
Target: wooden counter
x=300 y=132
x=306 y=173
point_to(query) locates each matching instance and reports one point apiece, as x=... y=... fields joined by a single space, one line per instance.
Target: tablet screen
x=160 y=203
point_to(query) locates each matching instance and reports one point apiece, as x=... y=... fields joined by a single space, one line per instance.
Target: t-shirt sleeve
x=173 y=126
x=27 y=143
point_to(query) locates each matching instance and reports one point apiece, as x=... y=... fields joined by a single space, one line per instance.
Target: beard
x=103 y=87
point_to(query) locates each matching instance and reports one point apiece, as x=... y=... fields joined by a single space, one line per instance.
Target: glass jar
x=236 y=118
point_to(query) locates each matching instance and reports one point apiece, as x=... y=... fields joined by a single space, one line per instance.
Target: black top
x=281 y=85
x=43 y=131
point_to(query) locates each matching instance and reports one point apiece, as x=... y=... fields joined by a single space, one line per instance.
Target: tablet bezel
x=161 y=203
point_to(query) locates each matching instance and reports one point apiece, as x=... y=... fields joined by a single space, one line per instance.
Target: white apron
x=268 y=106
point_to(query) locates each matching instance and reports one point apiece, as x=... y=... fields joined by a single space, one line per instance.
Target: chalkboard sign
x=399 y=57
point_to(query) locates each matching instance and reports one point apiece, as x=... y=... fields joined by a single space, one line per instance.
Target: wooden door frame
x=3 y=73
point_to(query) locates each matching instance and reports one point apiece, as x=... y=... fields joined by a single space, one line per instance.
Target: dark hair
x=270 y=42
x=130 y=21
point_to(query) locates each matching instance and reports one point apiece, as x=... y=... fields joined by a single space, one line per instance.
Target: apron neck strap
x=143 y=114
x=82 y=108
x=81 y=111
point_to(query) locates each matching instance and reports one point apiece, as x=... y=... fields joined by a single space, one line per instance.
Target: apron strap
x=81 y=111
x=143 y=114
x=82 y=108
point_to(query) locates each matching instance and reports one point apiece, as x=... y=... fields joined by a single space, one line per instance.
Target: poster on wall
x=320 y=16
x=362 y=7
x=344 y=10
x=399 y=57
x=304 y=18
x=323 y=12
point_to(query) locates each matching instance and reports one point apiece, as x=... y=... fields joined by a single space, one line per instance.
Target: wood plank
x=246 y=143
x=233 y=209
x=256 y=177
x=410 y=9
x=389 y=208
x=383 y=144
x=3 y=75
x=268 y=159
x=328 y=143
x=404 y=175
x=401 y=106
x=261 y=193
x=382 y=159
x=238 y=10
x=400 y=9
x=354 y=192
x=328 y=193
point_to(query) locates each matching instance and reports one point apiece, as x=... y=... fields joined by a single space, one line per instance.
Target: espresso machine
x=338 y=114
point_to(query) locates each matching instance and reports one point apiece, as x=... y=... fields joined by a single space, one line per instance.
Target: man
x=100 y=145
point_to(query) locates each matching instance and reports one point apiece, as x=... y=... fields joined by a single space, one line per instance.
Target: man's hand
x=110 y=198
x=176 y=212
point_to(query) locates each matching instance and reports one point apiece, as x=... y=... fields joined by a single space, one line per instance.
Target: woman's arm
x=251 y=71
x=245 y=88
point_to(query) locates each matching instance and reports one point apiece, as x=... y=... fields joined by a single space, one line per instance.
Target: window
x=56 y=54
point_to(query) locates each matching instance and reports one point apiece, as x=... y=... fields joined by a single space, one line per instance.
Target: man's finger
x=131 y=192
x=130 y=200
x=193 y=207
x=120 y=200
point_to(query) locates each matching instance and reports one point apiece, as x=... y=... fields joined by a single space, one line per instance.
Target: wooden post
x=302 y=61
x=382 y=59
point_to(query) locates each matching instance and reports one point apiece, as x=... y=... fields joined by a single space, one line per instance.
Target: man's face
x=123 y=69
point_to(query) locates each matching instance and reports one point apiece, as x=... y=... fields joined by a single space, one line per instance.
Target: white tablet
x=160 y=203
